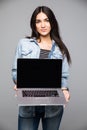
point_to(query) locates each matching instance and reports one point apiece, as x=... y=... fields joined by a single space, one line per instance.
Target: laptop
x=39 y=82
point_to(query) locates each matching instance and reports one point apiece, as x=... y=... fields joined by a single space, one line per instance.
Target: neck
x=45 y=43
x=46 y=39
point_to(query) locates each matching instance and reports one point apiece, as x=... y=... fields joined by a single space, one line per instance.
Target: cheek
x=37 y=27
x=49 y=26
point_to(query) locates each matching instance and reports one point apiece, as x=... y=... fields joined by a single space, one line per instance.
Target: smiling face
x=43 y=26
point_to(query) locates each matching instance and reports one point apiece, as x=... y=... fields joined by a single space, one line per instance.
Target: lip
x=43 y=30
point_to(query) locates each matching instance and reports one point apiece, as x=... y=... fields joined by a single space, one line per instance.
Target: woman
x=44 y=42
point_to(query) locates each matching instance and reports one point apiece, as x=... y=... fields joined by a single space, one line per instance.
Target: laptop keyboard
x=40 y=93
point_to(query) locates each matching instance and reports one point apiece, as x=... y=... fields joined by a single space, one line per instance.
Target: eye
x=47 y=20
x=37 y=21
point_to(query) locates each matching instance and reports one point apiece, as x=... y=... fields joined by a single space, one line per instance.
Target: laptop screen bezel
x=45 y=66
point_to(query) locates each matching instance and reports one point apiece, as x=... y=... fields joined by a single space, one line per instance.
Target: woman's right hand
x=15 y=88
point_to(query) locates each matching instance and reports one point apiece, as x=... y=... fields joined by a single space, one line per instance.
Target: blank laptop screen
x=39 y=73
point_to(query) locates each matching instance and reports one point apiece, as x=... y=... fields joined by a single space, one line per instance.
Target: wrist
x=65 y=89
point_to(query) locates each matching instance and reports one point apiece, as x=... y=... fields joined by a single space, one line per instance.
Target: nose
x=43 y=24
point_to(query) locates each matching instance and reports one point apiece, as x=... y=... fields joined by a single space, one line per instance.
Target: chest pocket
x=57 y=54
x=25 y=53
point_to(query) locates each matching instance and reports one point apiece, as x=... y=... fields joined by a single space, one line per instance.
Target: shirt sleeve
x=14 y=66
x=65 y=73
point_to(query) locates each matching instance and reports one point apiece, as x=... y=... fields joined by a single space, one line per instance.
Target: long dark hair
x=55 y=35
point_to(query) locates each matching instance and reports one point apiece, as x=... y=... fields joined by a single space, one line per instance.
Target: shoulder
x=26 y=40
x=57 y=49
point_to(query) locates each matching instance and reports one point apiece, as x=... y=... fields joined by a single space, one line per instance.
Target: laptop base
x=40 y=101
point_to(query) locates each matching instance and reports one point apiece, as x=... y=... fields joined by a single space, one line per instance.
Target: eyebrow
x=44 y=19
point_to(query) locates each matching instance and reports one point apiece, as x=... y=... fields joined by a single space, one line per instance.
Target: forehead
x=41 y=15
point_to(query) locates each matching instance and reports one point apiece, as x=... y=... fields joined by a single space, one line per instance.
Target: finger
x=15 y=87
x=64 y=105
x=15 y=95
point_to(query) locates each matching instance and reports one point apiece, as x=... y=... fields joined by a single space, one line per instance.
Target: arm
x=65 y=75
x=14 y=66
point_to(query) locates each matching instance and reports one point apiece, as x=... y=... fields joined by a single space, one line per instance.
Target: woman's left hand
x=66 y=94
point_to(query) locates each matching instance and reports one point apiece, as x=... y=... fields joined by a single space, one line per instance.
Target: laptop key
x=40 y=93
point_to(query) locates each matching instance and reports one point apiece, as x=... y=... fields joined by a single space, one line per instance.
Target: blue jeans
x=32 y=123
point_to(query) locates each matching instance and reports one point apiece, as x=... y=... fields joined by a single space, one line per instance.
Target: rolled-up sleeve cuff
x=14 y=77
x=64 y=82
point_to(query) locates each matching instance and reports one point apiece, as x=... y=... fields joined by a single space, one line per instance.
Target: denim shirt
x=29 y=48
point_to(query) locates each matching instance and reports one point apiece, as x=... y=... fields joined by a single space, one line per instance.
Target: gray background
x=14 y=25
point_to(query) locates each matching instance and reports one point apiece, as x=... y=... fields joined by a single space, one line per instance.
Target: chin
x=44 y=34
